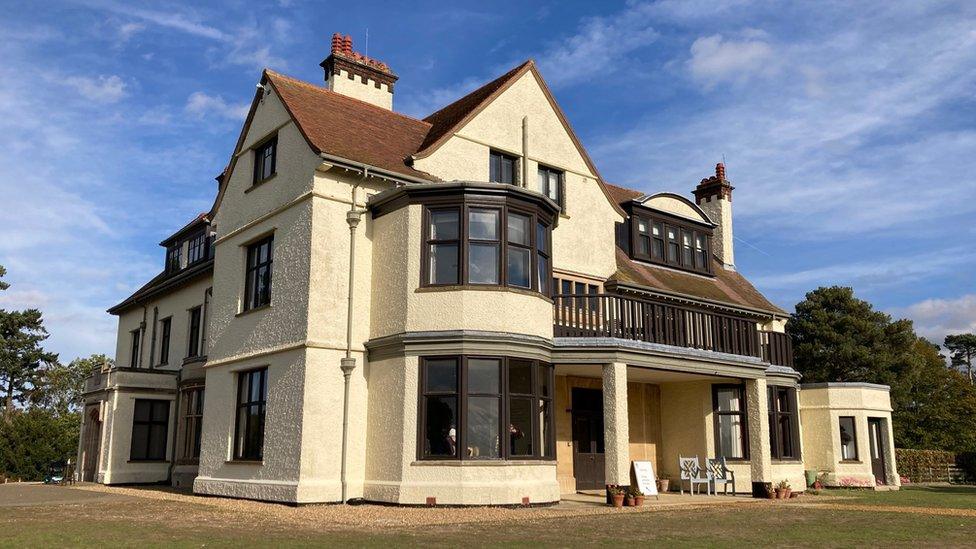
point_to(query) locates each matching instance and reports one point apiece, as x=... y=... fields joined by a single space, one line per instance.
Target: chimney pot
x=347 y=45
x=720 y=171
x=336 y=42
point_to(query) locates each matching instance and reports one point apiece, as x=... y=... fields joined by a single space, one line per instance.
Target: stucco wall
x=361 y=88
x=115 y=466
x=584 y=240
x=820 y=411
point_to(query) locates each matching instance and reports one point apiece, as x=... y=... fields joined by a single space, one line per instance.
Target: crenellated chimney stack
x=351 y=73
x=714 y=196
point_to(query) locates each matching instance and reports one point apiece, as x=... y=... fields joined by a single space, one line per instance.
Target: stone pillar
x=616 y=427
x=757 y=410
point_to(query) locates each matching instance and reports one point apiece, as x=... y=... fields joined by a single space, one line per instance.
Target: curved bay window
x=475 y=408
x=486 y=245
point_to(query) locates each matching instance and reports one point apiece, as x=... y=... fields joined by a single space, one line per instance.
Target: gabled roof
x=342 y=126
x=199 y=221
x=164 y=282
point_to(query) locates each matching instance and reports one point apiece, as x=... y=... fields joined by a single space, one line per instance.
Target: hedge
x=934 y=465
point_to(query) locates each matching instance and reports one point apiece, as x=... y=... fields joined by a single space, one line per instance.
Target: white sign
x=643 y=472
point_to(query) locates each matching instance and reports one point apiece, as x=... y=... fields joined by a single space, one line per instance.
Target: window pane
x=483 y=263
x=157 y=442
x=508 y=170
x=554 y=186
x=160 y=411
x=567 y=287
x=520 y=426
x=483 y=375
x=444 y=225
x=441 y=375
x=730 y=436
x=520 y=376
x=541 y=237
x=443 y=264
x=518 y=267
x=544 y=381
x=543 y=274
x=643 y=245
x=658 y=248
x=441 y=426
x=641 y=225
x=142 y=410
x=728 y=400
x=518 y=229
x=545 y=439
x=481 y=436
x=483 y=224
x=140 y=435
x=847 y=440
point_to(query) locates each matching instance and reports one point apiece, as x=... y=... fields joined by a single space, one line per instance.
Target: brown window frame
x=663 y=244
x=542 y=450
x=252 y=269
x=495 y=172
x=135 y=337
x=777 y=416
x=857 y=449
x=165 y=339
x=463 y=242
x=159 y=426
x=242 y=452
x=191 y=419
x=742 y=413
x=261 y=155
x=544 y=172
x=194 y=325
x=174 y=257
x=197 y=248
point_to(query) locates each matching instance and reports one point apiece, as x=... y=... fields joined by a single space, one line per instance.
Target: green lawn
x=145 y=522
x=950 y=497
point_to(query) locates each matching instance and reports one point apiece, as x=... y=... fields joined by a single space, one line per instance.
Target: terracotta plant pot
x=618 y=500
x=638 y=501
x=663 y=485
x=630 y=501
x=782 y=493
x=770 y=493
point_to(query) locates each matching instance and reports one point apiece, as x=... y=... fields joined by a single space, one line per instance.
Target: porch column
x=616 y=427
x=758 y=417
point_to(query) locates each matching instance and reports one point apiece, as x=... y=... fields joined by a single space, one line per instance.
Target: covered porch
x=612 y=413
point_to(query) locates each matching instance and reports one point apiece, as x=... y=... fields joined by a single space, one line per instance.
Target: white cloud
x=130 y=29
x=715 y=59
x=181 y=20
x=203 y=105
x=936 y=318
x=103 y=89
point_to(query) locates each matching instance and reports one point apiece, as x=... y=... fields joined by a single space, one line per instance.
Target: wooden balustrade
x=606 y=315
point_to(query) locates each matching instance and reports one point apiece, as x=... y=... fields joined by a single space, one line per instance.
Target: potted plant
x=638 y=497
x=630 y=500
x=617 y=493
x=783 y=490
x=663 y=483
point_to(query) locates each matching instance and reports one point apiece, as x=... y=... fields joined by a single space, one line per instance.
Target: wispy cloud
x=716 y=59
x=179 y=19
x=200 y=104
x=104 y=89
x=936 y=318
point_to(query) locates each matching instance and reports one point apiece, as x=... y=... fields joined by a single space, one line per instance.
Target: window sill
x=244 y=462
x=737 y=461
x=249 y=311
x=482 y=462
x=148 y=461
x=194 y=359
x=851 y=462
x=787 y=461
x=257 y=184
x=482 y=287
x=188 y=461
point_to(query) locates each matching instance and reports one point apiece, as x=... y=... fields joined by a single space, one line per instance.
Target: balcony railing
x=777 y=348
x=605 y=315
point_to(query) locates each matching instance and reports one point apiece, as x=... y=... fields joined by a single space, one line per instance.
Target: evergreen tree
x=962 y=352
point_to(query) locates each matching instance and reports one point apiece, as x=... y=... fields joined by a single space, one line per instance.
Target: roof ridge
x=503 y=77
x=272 y=72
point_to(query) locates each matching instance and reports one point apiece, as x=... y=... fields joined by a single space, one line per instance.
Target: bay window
x=475 y=408
x=486 y=245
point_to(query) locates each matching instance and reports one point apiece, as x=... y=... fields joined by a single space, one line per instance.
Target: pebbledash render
x=454 y=310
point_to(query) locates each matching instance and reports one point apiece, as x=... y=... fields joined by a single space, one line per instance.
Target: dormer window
x=173 y=254
x=197 y=249
x=670 y=241
x=264 y=160
x=501 y=168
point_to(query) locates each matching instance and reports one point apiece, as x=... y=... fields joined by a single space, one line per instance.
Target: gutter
x=366 y=170
x=694 y=299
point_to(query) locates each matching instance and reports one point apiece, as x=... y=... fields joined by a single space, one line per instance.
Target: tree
x=61 y=385
x=31 y=440
x=21 y=355
x=962 y=351
x=838 y=337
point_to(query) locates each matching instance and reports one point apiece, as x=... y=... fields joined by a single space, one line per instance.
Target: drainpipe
x=348 y=364
x=525 y=152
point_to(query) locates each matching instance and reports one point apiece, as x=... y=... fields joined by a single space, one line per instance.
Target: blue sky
x=847 y=128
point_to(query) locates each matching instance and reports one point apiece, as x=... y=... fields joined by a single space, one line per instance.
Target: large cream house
x=454 y=310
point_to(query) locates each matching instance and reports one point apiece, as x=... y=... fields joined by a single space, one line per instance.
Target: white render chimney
x=352 y=73
x=714 y=196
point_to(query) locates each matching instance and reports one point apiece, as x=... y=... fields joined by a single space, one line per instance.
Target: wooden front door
x=91 y=447
x=588 y=457
x=876 y=434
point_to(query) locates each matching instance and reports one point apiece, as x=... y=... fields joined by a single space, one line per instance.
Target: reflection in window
x=462 y=408
x=483 y=246
x=501 y=167
x=848 y=439
x=252 y=396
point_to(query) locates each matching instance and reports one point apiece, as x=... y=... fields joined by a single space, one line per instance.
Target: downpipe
x=348 y=363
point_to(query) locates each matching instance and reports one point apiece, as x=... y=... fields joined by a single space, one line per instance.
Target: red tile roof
x=341 y=126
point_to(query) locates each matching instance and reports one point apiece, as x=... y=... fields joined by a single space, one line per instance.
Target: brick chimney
x=714 y=196
x=351 y=73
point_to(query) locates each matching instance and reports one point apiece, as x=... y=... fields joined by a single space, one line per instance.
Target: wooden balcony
x=606 y=315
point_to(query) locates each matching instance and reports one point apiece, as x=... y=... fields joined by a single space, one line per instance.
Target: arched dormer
x=669 y=230
x=675 y=204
